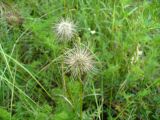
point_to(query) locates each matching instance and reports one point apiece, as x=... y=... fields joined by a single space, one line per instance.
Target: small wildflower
x=79 y=61
x=65 y=29
x=93 y=32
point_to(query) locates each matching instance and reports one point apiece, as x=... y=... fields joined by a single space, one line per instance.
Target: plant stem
x=63 y=77
x=65 y=8
x=81 y=99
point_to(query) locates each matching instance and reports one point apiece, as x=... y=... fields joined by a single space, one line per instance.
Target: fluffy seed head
x=65 y=29
x=79 y=61
x=14 y=19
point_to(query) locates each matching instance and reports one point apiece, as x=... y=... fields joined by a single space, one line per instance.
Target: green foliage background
x=31 y=74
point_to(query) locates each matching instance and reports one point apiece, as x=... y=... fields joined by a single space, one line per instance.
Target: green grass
x=33 y=83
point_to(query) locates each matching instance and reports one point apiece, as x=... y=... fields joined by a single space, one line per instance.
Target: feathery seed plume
x=65 y=30
x=79 y=61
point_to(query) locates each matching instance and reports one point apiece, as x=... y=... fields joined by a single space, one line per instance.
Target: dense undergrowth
x=123 y=35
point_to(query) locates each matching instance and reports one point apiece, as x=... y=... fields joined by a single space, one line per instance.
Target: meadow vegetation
x=79 y=60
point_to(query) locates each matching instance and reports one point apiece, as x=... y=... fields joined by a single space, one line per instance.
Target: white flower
x=79 y=61
x=93 y=32
x=65 y=30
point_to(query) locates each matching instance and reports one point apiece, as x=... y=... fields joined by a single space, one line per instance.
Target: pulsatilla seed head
x=65 y=30
x=79 y=61
x=14 y=19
